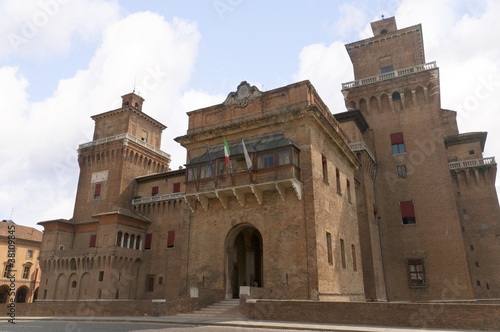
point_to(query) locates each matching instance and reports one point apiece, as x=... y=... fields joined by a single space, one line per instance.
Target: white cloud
x=39 y=145
x=33 y=29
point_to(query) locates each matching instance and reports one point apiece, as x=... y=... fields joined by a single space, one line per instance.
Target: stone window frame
x=416 y=273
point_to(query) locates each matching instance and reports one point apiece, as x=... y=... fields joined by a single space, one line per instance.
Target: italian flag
x=226 y=152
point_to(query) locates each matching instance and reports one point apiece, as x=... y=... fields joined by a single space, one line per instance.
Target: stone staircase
x=222 y=309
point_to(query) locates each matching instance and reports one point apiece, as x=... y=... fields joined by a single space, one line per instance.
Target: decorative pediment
x=244 y=93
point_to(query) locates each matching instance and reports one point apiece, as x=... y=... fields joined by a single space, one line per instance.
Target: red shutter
x=407 y=210
x=149 y=237
x=177 y=187
x=374 y=209
x=97 y=191
x=397 y=138
x=93 y=238
x=414 y=261
x=154 y=191
x=170 y=239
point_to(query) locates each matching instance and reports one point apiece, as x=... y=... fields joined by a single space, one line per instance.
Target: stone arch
x=84 y=287
x=244 y=257
x=396 y=101
x=138 y=242
x=60 y=289
x=384 y=101
x=432 y=93
x=125 y=240
x=351 y=105
x=419 y=91
x=4 y=293
x=72 y=291
x=408 y=98
x=362 y=105
x=22 y=294
x=374 y=104
x=119 y=237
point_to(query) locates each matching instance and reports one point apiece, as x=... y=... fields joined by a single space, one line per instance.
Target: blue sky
x=62 y=61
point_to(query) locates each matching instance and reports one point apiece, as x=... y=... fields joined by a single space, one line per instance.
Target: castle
x=386 y=201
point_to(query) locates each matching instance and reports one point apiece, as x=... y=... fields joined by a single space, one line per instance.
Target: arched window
x=119 y=239
x=383 y=32
x=396 y=96
x=362 y=105
x=136 y=105
x=396 y=101
x=73 y=284
x=138 y=243
x=132 y=239
x=125 y=240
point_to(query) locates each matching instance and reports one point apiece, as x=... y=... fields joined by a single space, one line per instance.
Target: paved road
x=55 y=326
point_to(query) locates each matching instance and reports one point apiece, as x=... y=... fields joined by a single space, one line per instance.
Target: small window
x=160 y=281
x=265 y=160
x=354 y=263
x=398 y=145
x=472 y=152
x=463 y=229
x=222 y=169
x=416 y=272
x=284 y=157
x=154 y=191
x=117 y=294
x=464 y=211
x=150 y=283
x=73 y=284
x=383 y=32
x=458 y=194
x=99 y=293
x=192 y=172
x=407 y=212
x=149 y=238
x=324 y=168
x=387 y=69
x=97 y=191
x=26 y=272
x=396 y=96
x=476 y=264
x=170 y=239
x=329 y=248
x=295 y=156
x=478 y=283
x=337 y=179
x=472 y=247
x=61 y=247
x=93 y=239
x=101 y=275
x=402 y=171
x=348 y=189
x=484 y=225
x=342 y=253
x=29 y=254
x=8 y=268
x=136 y=105
x=177 y=187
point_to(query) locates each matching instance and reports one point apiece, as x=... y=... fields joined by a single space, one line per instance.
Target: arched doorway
x=244 y=259
x=21 y=294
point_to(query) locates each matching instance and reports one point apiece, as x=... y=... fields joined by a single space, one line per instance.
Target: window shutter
x=414 y=261
x=97 y=191
x=155 y=191
x=407 y=210
x=93 y=239
x=397 y=138
x=171 y=239
x=177 y=187
x=149 y=237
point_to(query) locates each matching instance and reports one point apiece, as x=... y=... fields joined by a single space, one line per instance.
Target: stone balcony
x=360 y=146
x=159 y=198
x=490 y=161
x=389 y=75
x=238 y=184
x=127 y=137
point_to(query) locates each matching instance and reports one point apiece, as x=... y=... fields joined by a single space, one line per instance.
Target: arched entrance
x=4 y=293
x=21 y=294
x=244 y=259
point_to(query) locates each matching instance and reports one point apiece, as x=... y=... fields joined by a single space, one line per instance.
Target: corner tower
x=398 y=94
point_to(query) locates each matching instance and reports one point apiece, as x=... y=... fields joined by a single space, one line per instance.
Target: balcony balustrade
x=472 y=163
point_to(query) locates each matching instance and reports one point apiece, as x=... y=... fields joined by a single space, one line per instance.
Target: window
x=265 y=160
x=402 y=171
x=387 y=69
x=398 y=145
x=117 y=294
x=458 y=194
x=149 y=237
x=73 y=284
x=329 y=248
x=154 y=191
x=192 y=173
x=138 y=243
x=177 y=187
x=99 y=293
x=284 y=157
x=97 y=191
x=325 y=168
x=478 y=283
x=484 y=225
x=150 y=283
x=160 y=281
x=295 y=157
x=93 y=239
x=472 y=247
x=29 y=254
x=205 y=172
x=472 y=152
x=337 y=179
x=7 y=271
x=476 y=264
x=348 y=189
x=101 y=275
x=396 y=96
x=407 y=212
x=61 y=247
x=170 y=239
x=383 y=32
x=416 y=272
x=354 y=263
x=342 y=253
x=463 y=229
x=119 y=239
x=222 y=169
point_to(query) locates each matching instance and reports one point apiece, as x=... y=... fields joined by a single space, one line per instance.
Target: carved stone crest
x=244 y=93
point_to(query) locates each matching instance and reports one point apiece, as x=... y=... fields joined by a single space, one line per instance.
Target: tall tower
x=126 y=145
x=398 y=94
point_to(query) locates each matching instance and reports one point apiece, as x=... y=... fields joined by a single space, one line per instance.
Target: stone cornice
x=132 y=110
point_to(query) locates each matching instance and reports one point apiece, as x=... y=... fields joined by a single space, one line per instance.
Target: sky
x=62 y=61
